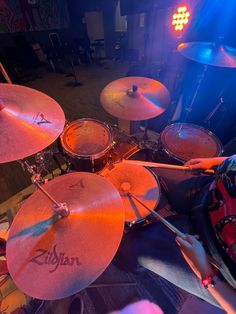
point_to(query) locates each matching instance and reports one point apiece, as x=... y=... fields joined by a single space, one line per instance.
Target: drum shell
x=91 y=162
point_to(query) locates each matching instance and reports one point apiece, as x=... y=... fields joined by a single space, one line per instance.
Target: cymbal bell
x=209 y=53
x=29 y=121
x=50 y=257
x=135 y=98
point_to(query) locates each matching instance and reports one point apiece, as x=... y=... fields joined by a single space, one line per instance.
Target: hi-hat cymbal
x=135 y=98
x=50 y=257
x=29 y=121
x=209 y=53
x=138 y=181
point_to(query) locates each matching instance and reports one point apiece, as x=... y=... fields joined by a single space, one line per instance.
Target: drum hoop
x=171 y=154
x=89 y=156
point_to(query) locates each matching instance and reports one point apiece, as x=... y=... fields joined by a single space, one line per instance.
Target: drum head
x=185 y=141
x=86 y=138
x=138 y=181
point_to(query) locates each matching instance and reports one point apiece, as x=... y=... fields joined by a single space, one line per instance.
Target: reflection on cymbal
x=29 y=121
x=209 y=53
x=135 y=98
x=51 y=257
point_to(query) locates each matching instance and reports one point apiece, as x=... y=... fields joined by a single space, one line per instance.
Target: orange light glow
x=180 y=18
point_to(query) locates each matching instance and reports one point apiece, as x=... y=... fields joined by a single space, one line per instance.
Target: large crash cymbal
x=50 y=257
x=209 y=53
x=29 y=121
x=135 y=98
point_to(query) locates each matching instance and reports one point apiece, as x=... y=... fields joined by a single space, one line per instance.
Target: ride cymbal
x=50 y=257
x=29 y=121
x=209 y=53
x=135 y=98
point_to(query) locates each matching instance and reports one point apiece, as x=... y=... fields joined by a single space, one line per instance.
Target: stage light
x=180 y=18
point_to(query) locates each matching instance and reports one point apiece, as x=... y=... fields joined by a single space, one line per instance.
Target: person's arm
x=204 y=163
x=197 y=259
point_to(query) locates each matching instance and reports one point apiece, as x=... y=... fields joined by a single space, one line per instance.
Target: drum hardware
x=59 y=208
x=189 y=108
x=5 y=74
x=172 y=228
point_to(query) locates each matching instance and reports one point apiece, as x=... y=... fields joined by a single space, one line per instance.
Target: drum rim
x=87 y=156
x=171 y=154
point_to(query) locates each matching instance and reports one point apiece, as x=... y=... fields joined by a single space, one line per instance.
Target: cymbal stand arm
x=60 y=208
x=190 y=107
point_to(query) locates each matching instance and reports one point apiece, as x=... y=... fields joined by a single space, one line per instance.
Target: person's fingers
x=183 y=243
x=191 y=162
x=191 y=239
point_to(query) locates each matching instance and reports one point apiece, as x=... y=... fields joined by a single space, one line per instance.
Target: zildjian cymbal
x=209 y=53
x=50 y=257
x=29 y=121
x=135 y=98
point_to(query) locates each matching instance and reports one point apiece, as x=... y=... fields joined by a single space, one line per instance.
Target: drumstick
x=163 y=220
x=172 y=228
x=159 y=165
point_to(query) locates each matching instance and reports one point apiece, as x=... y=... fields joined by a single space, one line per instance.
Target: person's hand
x=200 y=163
x=195 y=255
x=204 y=163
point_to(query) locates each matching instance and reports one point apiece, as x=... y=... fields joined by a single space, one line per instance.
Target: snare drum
x=87 y=142
x=138 y=181
x=184 y=141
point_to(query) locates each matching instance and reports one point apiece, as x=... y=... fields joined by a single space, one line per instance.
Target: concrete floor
x=78 y=102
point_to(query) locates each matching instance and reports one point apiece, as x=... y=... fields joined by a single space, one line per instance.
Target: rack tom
x=87 y=143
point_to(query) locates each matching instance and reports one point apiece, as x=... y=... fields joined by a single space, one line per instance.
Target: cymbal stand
x=213 y=112
x=190 y=107
x=4 y=73
x=60 y=208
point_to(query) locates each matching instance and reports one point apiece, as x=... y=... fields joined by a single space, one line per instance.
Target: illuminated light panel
x=180 y=18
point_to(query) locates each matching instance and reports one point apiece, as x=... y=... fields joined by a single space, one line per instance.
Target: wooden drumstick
x=172 y=228
x=163 y=220
x=159 y=165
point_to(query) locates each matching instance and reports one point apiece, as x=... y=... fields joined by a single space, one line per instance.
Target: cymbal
x=209 y=53
x=135 y=98
x=140 y=182
x=29 y=121
x=50 y=257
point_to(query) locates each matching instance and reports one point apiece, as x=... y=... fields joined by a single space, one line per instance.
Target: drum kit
x=67 y=232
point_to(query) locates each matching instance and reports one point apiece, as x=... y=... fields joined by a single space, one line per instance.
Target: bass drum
x=185 y=141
